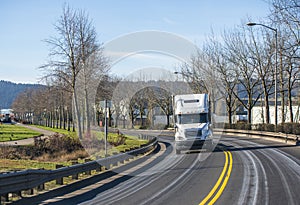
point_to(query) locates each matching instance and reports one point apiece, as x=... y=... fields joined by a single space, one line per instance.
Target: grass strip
x=14 y=132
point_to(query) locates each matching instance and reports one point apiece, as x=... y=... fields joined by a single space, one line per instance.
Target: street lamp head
x=251 y=24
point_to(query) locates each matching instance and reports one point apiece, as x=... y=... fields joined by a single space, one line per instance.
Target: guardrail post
x=5 y=198
x=59 y=181
x=99 y=169
x=41 y=187
x=89 y=172
x=19 y=193
x=115 y=163
x=122 y=160
x=75 y=176
x=29 y=192
x=126 y=158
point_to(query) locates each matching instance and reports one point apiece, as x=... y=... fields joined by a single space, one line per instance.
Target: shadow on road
x=222 y=147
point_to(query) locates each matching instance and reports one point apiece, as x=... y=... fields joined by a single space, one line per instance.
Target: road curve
x=271 y=171
x=240 y=171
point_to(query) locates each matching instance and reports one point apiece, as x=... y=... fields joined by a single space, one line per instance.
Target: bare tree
x=238 y=54
x=193 y=73
x=285 y=15
x=163 y=98
x=215 y=56
x=70 y=51
x=262 y=51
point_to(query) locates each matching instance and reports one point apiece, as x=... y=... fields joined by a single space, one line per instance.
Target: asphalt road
x=240 y=171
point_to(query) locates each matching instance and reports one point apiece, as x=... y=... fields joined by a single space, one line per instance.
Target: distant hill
x=9 y=91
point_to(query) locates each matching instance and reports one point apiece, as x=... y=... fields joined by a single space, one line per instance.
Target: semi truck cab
x=192 y=122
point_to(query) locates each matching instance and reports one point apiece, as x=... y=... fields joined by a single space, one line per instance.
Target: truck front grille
x=193 y=133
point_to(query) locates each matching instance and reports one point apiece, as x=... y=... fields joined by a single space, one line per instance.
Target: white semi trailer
x=192 y=122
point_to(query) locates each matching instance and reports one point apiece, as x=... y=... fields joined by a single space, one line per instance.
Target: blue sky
x=25 y=24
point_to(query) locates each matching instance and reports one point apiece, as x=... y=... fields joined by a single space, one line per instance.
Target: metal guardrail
x=287 y=138
x=15 y=182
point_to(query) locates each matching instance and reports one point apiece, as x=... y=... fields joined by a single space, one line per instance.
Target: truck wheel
x=177 y=151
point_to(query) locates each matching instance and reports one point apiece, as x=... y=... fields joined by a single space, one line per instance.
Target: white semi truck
x=192 y=122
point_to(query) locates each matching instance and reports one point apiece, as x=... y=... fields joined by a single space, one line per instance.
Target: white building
x=258 y=113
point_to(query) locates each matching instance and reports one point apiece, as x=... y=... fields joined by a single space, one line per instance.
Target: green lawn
x=61 y=131
x=15 y=165
x=14 y=132
x=130 y=141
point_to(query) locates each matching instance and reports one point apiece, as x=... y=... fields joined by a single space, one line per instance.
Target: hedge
x=288 y=128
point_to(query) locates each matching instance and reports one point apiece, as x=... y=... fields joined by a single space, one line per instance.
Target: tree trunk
x=117 y=121
x=64 y=118
x=249 y=109
x=60 y=117
x=56 y=118
x=290 y=104
x=230 y=116
x=142 y=121
x=77 y=113
x=87 y=111
x=50 y=119
x=132 y=119
x=168 y=120
x=229 y=110
x=267 y=108
x=124 y=122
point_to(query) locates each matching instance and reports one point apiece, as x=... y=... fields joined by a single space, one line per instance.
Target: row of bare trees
x=52 y=106
x=244 y=60
x=49 y=106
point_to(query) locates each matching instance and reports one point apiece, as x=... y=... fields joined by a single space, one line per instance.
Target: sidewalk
x=27 y=141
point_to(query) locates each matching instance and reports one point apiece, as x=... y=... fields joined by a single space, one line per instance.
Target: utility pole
x=105 y=127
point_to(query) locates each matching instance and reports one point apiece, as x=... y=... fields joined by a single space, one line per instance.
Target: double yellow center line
x=224 y=177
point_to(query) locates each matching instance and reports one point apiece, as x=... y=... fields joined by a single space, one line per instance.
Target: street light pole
x=275 y=31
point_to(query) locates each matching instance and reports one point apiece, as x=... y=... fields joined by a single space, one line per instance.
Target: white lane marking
x=265 y=179
x=246 y=178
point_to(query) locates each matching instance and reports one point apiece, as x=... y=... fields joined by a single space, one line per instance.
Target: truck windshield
x=192 y=118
